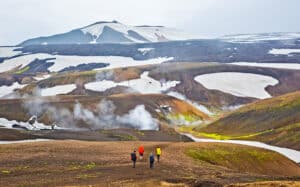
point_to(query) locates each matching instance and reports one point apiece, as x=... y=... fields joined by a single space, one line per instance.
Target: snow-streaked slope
x=290 y=153
x=36 y=126
x=269 y=65
x=283 y=51
x=56 y=90
x=144 y=84
x=150 y=33
x=112 y=32
x=196 y=105
x=63 y=61
x=5 y=90
x=253 y=38
x=238 y=84
x=21 y=61
x=9 y=52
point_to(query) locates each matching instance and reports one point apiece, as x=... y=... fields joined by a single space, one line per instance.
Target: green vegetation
x=121 y=137
x=6 y=172
x=125 y=137
x=82 y=166
x=275 y=121
x=234 y=157
x=182 y=119
x=23 y=70
x=191 y=130
x=91 y=165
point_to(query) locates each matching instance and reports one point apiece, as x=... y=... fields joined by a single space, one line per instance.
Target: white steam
x=196 y=105
x=139 y=118
x=105 y=118
x=101 y=117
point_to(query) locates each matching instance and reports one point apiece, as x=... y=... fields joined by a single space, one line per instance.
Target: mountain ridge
x=111 y=32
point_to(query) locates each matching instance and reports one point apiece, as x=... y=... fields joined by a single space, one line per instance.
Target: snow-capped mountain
x=261 y=37
x=112 y=32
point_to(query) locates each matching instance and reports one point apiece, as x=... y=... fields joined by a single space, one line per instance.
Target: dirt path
x=77 y=163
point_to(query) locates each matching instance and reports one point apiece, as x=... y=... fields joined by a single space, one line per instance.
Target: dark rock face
x=39 y=66
x=85 y=67
x=181 y=51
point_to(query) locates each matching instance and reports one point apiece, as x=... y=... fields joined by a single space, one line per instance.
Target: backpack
x=133 y=156
x=151 y=158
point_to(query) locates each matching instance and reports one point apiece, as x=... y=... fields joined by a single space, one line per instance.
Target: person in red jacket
x=141 y=152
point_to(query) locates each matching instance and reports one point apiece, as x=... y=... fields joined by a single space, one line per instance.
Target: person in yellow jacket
x=158 y=153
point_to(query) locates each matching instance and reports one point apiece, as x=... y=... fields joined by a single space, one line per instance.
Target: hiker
x=158 y=153
x=133 y=158
x=141 y=152
x=151 y=160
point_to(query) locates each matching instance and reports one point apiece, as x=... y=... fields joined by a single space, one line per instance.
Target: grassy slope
x=274 y=121
x=107 y=163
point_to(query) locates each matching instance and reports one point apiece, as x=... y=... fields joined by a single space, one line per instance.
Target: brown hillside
x=274 y=121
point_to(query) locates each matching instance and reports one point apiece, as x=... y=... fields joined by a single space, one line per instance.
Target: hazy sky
x=23 y=19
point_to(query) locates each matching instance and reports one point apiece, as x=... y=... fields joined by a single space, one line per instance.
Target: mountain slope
x=111 y=32
x=94 y=112
x=274 y=121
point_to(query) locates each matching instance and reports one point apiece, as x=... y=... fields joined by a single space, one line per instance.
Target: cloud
x=21 y=19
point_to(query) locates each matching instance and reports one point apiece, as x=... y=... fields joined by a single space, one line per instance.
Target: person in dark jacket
x=133 y=158
x=151 y=160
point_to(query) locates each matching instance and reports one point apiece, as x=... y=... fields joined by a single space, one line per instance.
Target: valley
x=73 y=106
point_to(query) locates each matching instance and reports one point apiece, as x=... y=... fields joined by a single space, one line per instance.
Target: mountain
x=274 y=121
x=261 y=37
x=111 y=32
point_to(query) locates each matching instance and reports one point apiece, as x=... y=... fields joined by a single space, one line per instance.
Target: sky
x=24 y=19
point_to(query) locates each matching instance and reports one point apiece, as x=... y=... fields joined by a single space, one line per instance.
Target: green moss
x=125 y=137
x=6 y=172
x=182 y=119
x=91 y=165
x=228 y=156
x=23 y=70
x=193 y=130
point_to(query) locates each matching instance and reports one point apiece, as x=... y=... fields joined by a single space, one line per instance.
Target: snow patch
x=283 y=51
x=64 y=61
x=150 y=33
x=6 y=90
x=144 y=51
x=254 y=38
x=10 y=123
x=9 y=51
x=144 y=84
x=56 y=90
x=24 y=141
x=269 y=65
x=42 y=77
x=238 y=84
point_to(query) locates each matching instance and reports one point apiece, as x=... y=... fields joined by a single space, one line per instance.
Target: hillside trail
x=78 y=163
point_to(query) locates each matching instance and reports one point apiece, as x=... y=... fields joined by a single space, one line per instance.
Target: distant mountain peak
x=112 y=32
